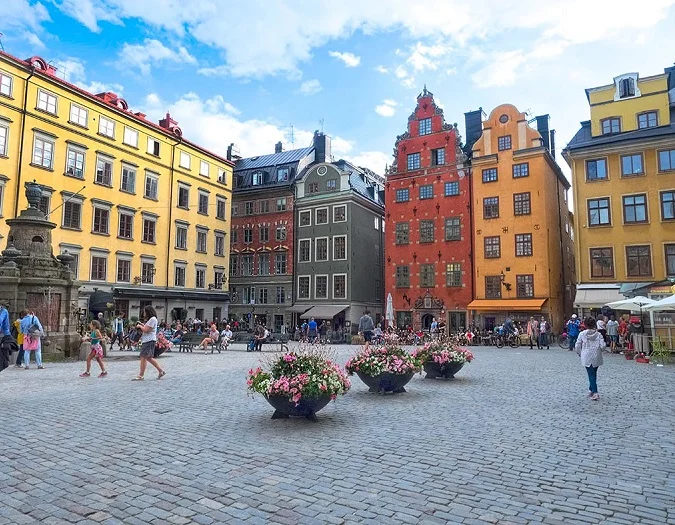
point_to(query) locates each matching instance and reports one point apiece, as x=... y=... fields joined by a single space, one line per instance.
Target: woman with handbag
x=148 y=343
x=32 y=331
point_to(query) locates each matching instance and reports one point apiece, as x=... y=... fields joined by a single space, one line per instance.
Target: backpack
x=35 y=331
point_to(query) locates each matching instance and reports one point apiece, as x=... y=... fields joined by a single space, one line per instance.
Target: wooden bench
x=189 y=341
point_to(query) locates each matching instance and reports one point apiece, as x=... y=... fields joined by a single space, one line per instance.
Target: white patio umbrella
x=389 y=315
x=633 y=304
x=667 y=303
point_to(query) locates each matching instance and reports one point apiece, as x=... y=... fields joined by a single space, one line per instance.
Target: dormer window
x=257 y=178
x=611 y=125
x=627 y=88
x=282 y=174
x=425 y=126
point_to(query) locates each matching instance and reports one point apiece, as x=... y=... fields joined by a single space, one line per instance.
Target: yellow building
x=523 y=248
x=144 y=211
x=623 y=168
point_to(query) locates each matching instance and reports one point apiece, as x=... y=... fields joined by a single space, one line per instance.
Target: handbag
x=30 y=343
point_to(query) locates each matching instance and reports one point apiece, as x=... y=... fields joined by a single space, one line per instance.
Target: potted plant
x=299 y=383
x=385 y=368
x=629 y=353
x=641 y=357
x=442 y=359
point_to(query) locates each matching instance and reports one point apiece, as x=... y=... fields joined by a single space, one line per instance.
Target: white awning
x=326 y=311
x=596 y=297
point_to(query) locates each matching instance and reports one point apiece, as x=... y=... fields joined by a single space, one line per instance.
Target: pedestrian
x=259 y=337
x=366 y=328
x=573 y=330
x=8 y=343
x=613 y=333
x=312 y=331
x=544 y=330
x=589 y=347
x=96 y=352
x=118 y=331
x=32 y=331
x=533 y=332
x=148 y=342
x=16 y=331
x=601 y=327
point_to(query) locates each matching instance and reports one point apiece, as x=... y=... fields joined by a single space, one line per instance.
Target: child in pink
x=96 y=349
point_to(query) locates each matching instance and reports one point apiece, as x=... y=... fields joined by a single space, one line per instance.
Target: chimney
x=233 y=152
x=278 y=147
x=322 y=151
x=168 y=123
x=473 y=121
x=542 y=127
x=552 y=150
x=140 y=115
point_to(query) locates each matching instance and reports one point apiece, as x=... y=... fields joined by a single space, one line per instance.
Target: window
x=264 y=233
x=282 y=174
x=184 y=160
x=106 y=127
x=247 y=265
x=218 y=279
x=668 y=205
x=631 y=165
x=427 y=276
x=504 y=142
x=667 y=160
x=183 y=197
x=303 y=287
x=426 y=191
x=490 y=175
x=322 y=216
x=248 y=235
x=521 y=170
x=280 y=263
x=521 y=204
x=222 y=176
x=4 y=133
x=627 y=88
x=321 y=249
x=233 y=238
x=128 y=181
x=493 y=287
x=203 y=204
x=305 y=218
x=451 y=189
x=153 y=146
x=248 y=208
x=281 y=204
x=220 y=208
x=220 y=244
x=44 y=205
x=599 y=212
x=413 y=161
x=402 y=235
x=523 y=244
x=321 y=287
x=639 y=261
x=281 y=233
x=151 y=187
x=635 y=208
x=524 y=286
x=130 y=137
x=339 y=286
x=438 y=157
x=492 y=247
x=200 y=278
x=648 y=120
x=249 y=295
x=123 y=271
x=204 y=168
x=103 y=171
x=404 y=195
x=75 y=162
x=376 y=223
x=181 y=237
x=453 y=274
x=72 y=214
x=340 y=248
x=264 y=264
x=201 y=241
x=147 y=272
x=149 y=230
x=126 y=227
x=426 y=231
x=596 y=169
x=339 y=213
x=78 y=115
x=331 y=184
x=47 y=102
x=670 y=259
x=263 y=296
x=74 y=265
x=403 y=277
x=6 y=82
x=43 y=152
x=304 y=250
x=602 y=262
x=101 y=220
x=490 y=207
x=425 y=126
x=611 y=125
x=179 y=276
x=98 y=268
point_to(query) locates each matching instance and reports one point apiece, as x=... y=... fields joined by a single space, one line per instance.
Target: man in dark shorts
x=366 y=327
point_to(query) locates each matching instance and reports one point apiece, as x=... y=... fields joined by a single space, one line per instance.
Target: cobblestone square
x=513 y=439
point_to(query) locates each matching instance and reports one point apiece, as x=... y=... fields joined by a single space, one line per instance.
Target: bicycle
x=564 y=341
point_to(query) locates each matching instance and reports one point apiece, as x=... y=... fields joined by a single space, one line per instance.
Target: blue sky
x=245 y=72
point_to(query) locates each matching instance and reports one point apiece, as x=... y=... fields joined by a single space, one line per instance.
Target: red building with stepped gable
x=428 y=267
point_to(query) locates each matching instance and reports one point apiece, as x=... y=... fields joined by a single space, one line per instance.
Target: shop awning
x=596 y=297
x=325 y=311
x=299 y=308
x=513 y=305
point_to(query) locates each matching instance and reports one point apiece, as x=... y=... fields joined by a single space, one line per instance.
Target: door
x=457 y=321
x=490 y=323
x=427 y=319
x=278 y=322
x=217 y=313
x=199 y=314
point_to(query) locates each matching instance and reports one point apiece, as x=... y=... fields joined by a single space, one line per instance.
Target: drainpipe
x=23 y=133
x=168 y=244
x=296 y=242
x=562 y=251
x=469 y=176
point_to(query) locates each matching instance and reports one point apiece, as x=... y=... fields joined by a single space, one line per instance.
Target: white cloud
x=382 y=69
x=144 y=56
x=310 y=87
x=90 y=13
x=423 y=57
x=500 y=70
x=349 y=59
x=374 y=160
x=387 y=108
x=74 y=71
x=22 y=21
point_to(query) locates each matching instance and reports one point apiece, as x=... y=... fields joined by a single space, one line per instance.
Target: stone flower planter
x=446 y=371
x=307 y=406
x=386 y=382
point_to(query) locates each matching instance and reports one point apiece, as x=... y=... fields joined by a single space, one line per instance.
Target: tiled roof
x=359 y=185
x=274 y=159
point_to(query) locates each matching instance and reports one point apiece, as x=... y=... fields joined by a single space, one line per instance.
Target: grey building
x=339 y=241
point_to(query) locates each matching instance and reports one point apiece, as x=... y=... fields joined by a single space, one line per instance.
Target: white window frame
x=204 y=168
x=104 y=158
x=205 y=234
x=219 y=236
x=308 y=241
x=132 y=169
x=333 y=283
x=377 y=223
x=200 y=195
x=151 y=263
x=130 y=137
x=223 y=201
x=257 y=178
x=333 y=247
x=184 y=160
x=95 y=207
x=309 y=212
x=77 y=113
x=2 y=196
x=5 y=146
x=48 y=96
x=104 y=125
x=151 y=146
x=203 y=270
x=98 y=255
x=7 y=92
x=316 y=287
x=184 y=268
x=45 y=140
x=309 y=286
x=222 y=177
x=180 y=226
x=75 y=252
x=68 y=199
x=186 y=188
x=125 y=258
x=145 y=186
x=152 y=219
x=316 y=247
x=316 y=216
x=76 y=151
x=344 y=206
x=119 y=224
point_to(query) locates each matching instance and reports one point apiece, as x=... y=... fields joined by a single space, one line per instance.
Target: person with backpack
x=18 y=336
x=32 y=331
x=573 y=328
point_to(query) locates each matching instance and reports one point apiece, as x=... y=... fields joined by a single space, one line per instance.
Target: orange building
x=523 y=247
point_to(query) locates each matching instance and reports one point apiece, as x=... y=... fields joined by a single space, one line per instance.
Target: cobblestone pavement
x=513 y=439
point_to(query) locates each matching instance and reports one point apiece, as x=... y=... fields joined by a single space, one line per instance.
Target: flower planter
x=306 y=407
x=642 y=360
x=629 y=357
x=386 y=382
x=445 y=371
